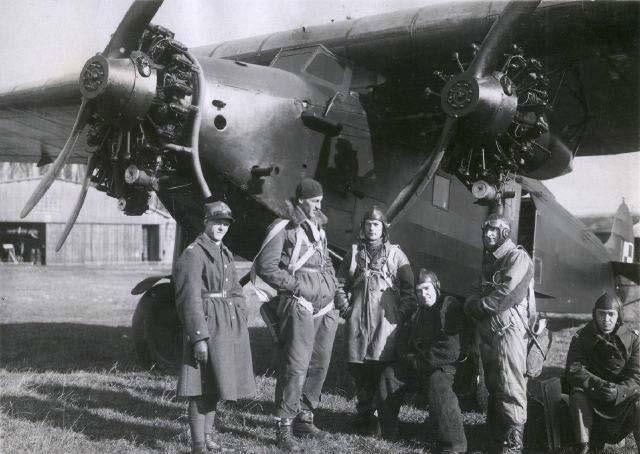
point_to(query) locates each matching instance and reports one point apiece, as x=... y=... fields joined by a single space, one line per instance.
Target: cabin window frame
x=319 y=49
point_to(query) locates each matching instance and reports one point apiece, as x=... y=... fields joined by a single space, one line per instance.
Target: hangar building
x=102 y=233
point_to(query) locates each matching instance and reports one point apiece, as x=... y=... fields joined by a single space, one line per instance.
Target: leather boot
x=198 y=448
x=303 y=426
x=512 y=443
x=367 y=424
x=581 y=448
x=284 y=436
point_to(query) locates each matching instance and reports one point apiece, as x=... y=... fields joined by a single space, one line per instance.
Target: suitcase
x=548 y=426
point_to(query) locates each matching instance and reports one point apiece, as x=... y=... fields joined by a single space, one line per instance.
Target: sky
x=43 y=39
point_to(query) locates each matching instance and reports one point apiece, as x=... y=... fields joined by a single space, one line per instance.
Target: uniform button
x=197 y=332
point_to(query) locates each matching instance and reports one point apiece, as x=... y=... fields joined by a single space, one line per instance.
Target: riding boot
x=210 y=434
x=284 y=436
x=303 y=426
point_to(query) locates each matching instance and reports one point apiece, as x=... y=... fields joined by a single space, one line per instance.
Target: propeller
x=105 y=81
x=91 y=165
x=473 y=97
x=47 y=180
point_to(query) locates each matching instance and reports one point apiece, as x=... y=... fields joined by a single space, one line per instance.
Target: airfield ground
x=70 y=383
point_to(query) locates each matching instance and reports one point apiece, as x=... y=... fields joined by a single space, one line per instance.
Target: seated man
x=603 y=372
x=428 y=351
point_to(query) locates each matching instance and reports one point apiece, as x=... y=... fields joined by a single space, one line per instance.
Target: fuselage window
x=326 y=68
x=441 y=189
x=318 y=62
x=293 y=60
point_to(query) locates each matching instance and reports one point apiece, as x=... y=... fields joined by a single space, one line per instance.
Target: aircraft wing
x=35 y=120
x=589 y=51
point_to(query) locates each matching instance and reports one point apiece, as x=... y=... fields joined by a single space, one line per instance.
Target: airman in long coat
x=376 y=291
x=216 y=357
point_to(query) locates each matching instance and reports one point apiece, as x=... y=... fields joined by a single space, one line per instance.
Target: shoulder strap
x=318 y=245
x=277 y=228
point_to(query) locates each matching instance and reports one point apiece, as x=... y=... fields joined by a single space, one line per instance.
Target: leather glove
x=200 y=352
x=609 y=392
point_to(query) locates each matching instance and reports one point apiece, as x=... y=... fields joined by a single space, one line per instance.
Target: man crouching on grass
x=429 y=346
x=603 y=371
x=216 y=356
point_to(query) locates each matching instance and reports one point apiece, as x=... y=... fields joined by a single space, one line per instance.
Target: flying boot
x=303 y=426
x=284 y=436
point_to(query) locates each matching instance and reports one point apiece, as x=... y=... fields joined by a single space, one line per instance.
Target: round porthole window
x=220 y=122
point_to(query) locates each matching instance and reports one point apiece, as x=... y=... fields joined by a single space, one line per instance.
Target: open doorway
x=151 y=243
x=22 y=242
x=527 y=224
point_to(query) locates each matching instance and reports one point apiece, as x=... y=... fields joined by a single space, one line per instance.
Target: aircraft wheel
x=156 y=330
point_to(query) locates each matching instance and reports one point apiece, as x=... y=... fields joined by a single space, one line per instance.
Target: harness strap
x=309 y=307
x=277 y=228
x=304 y=259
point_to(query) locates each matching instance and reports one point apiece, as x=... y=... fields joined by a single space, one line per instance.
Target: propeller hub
x=123 y=88
x=460 y=95
x=484 y=101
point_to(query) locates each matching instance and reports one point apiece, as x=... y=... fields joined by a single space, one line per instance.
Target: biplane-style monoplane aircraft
x=438 y=114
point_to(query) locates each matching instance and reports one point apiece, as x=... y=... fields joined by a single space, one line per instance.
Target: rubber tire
x=156 y=329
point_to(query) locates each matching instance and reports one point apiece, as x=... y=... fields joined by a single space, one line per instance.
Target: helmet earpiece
x=496 y=221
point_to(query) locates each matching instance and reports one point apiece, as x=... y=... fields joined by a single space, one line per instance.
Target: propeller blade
x=414 y=188
x=493 y=45
x=48 y=179
x=76 y=210
x=131 y=28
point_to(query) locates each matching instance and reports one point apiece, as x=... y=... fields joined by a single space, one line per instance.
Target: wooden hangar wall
x=101 y=235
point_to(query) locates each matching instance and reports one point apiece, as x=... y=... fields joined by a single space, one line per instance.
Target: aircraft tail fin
x=620 y=243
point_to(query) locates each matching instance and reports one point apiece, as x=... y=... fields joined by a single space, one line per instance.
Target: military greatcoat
x=211 y=307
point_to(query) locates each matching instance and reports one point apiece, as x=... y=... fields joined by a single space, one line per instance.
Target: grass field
x=69 y=381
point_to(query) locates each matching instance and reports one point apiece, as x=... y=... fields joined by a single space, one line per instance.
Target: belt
x=222 y=294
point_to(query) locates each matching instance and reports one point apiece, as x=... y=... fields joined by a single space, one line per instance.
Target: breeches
x=305 y=356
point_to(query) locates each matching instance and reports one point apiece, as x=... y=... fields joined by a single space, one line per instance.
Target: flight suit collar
x=621 y=330
x=504 y=249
